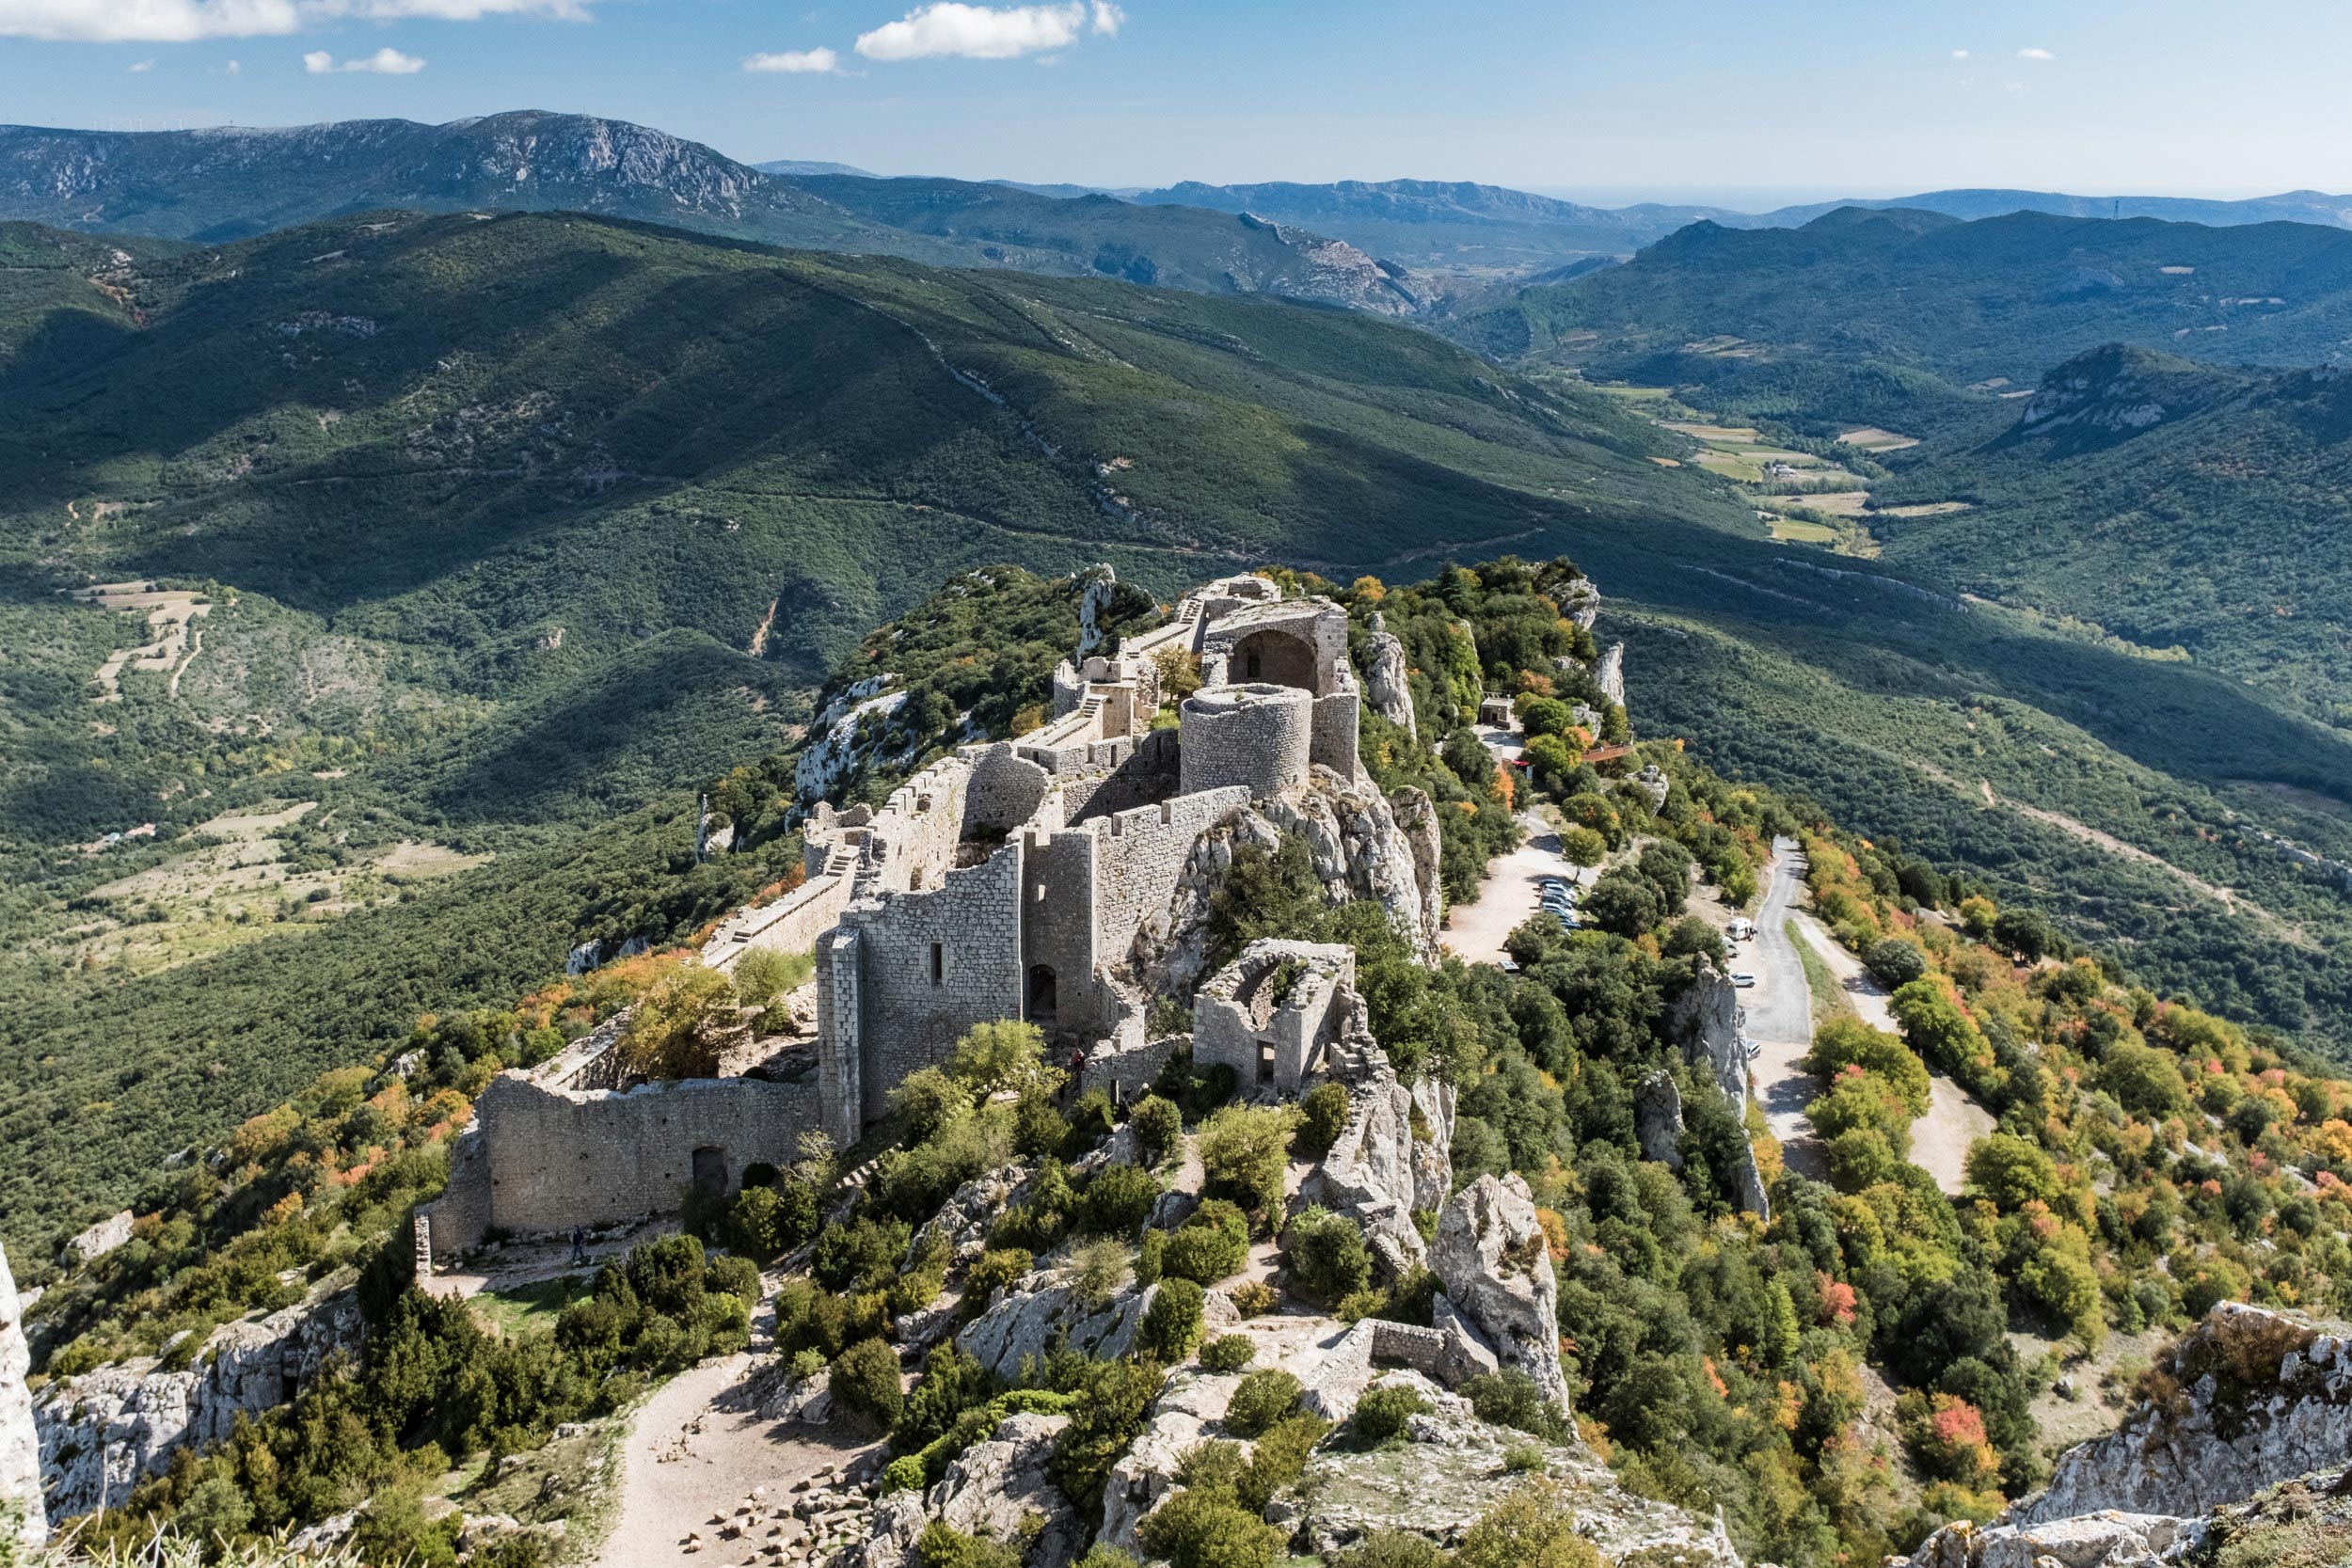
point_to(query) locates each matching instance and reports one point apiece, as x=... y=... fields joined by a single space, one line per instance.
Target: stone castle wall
x=1140 y=854
x=1336 y=723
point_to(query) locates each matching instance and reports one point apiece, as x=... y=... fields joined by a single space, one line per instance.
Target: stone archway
x=1044 y=1003
x=1272 y=656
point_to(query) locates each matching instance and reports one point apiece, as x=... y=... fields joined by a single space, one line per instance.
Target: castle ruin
x=1059 y=878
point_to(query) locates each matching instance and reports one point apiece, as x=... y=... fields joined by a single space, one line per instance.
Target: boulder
x=1496 y=1267
x=1145 y=1474
x=995 y=1487
x=101 y=1238
x=1385 y=688
x=1030 y=1312
x=21 y=1517
x=2105 y=1540
x=1611 y=674
x=1658 y=1119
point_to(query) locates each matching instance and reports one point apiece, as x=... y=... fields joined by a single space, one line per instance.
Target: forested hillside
x=2001 y=298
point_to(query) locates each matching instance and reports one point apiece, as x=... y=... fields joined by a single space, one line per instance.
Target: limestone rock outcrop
x=1145 y=1474
x=2217 y=1442
x=1496 y=1268
x=105 y=1432
x=1658 y=1118
x=1450 y=1469
x=1385 y=687
x=995 y=1488
x=1611 y=674
x=1031 y=1312
x=2255 y=1399
x=22 y=1517
x=1394 y=1155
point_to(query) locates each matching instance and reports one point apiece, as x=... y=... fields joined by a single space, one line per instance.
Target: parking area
x=1513 y=890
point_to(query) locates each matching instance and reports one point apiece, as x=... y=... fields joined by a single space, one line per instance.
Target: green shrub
x=1396 y=1548
x=865 y=1252
x=1171 y=1325
x=952 y=1383
x=1532 y=1527
x=1510 y=1397
x=1119 y=1200
x=1264 y=1397
x=1279 y=1458
x=1105 y=1417
x=1212 y=1245
x=1327 y=1255
x=943 y=1545
x=1229 y=1353
x=1324 y=1116
x=1243 y=1151
x=903 y=1474
x=1255 y=1298
x=1158 y=1124
x=1524 y=1459
x=997 y=1268
x=1383 y=1411
x=1097 y=1271
x=865 y=1382
x=1203 y=1527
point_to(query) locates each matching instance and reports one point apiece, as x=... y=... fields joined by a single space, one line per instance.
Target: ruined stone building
x=1061 y=877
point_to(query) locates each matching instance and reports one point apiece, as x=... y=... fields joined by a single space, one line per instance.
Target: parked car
x=1750 y=1049
x=1568 y=920
x=1741 y=979
x=1508 y=964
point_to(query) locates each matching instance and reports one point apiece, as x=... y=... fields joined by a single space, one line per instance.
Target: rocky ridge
x=2246 y=1400
x=105 y=1432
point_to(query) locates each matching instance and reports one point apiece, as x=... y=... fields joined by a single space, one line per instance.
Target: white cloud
x=812 y=62
x=185 y=21
x=1960 y=54
x=142 y=67
x=985 y=32
x=387 y=61
x=231 y=69
x=2035 y=54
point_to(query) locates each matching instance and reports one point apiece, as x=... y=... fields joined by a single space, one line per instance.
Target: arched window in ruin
x=1043 y=1003
x=1275 y=656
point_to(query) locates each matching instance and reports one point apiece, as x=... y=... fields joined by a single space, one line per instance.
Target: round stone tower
x=1256 y=735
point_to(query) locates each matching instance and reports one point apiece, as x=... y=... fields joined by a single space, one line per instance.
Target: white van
x=1743 y=929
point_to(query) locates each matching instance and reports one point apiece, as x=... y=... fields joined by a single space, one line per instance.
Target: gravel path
x=1780 y=1014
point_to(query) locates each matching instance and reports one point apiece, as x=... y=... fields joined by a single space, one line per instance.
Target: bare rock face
x=1029 y=1313
x=2220 y=1440
x=1385 y=687
x=21 y=1518
x=1393 y=1156
x=1492 y=1259
x=1145 y=1474
x=2105 y=1540
x=2259 y=1398
x=995 y=1486
x=1610 y=675
x=103 y=1432
x=1450 y=1469
x=1658 y=1119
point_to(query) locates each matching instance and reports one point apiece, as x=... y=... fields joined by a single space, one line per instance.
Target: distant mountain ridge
x=215 y=186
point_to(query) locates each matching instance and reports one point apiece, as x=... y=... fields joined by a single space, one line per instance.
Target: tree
x=927 y=1102
x=1324 y=1116
x=1896 y=961
x=681 y=1025
x=1112 y=1397
x=1694 y=938
x=1579 y=846
x=1264 y=1397
x=1327 y=1255
x=1844 y=1041
x=1007 y=1053
x=2013 y=1172
x=1158 y=1125
x=1244 y=1152
x=1544 y=716
x=1623 y=904
x=865 y=1382
x=1212 y=1245
x=1119 y=1200
x=1171 y=1325
x=2024 y=932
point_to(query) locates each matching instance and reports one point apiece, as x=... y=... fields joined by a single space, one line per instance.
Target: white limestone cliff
x=22 y=1517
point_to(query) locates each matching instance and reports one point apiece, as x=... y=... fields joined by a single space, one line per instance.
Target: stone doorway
x=1044 y=1008
x=710 y=1170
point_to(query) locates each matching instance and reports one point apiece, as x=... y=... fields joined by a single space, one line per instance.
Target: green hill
x=2003 y=297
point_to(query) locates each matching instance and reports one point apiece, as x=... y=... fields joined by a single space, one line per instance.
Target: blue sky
x=1790 y=99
